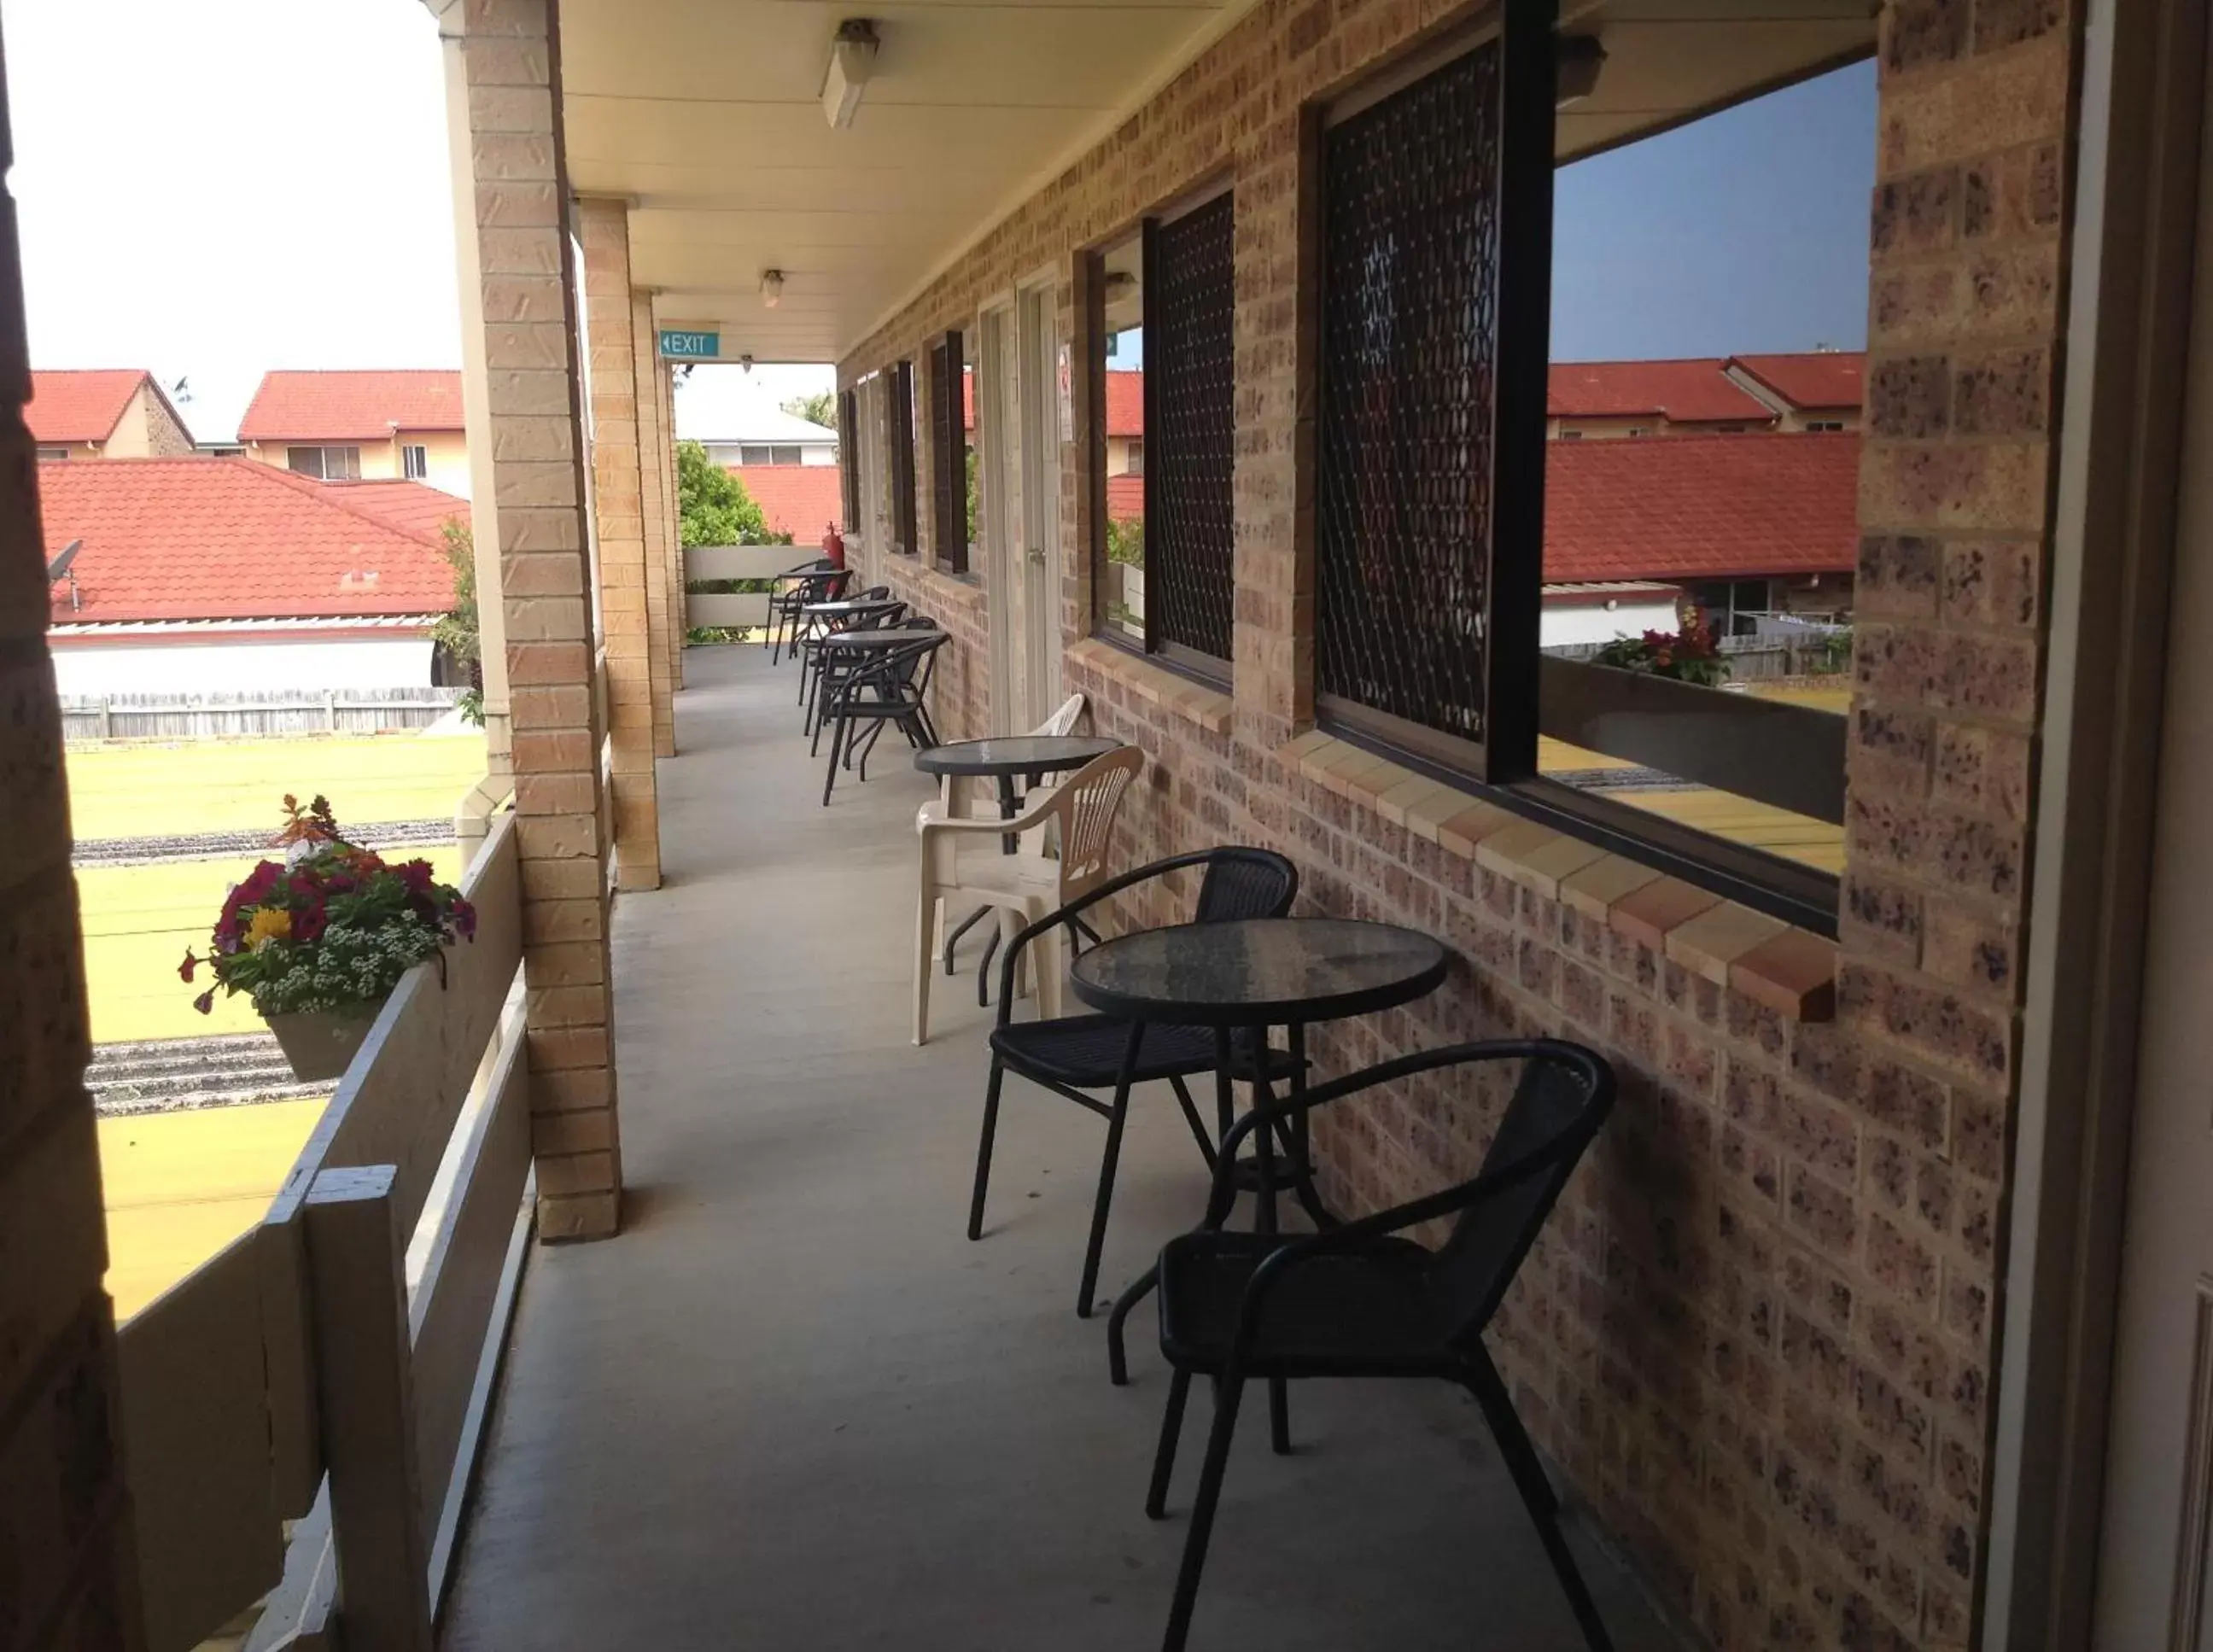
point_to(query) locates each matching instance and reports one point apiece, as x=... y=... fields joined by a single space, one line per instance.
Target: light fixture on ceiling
x=852 y=59
x=1577 y=59
x=746 y=362
x=772 y=288
x=1119 y=284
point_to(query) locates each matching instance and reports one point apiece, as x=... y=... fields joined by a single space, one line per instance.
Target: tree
x=456 y=631
x=820 y=408
x=713 y=507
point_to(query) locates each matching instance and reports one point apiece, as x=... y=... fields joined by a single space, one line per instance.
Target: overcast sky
x=213 y=190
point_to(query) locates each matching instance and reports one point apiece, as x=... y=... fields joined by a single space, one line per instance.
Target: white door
x=2152 y=1563
x=1040 y=440
x=998 y=401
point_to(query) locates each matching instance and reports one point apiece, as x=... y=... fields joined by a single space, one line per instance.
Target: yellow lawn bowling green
x=181 y=1186
x=138 y=920
x=133 y=790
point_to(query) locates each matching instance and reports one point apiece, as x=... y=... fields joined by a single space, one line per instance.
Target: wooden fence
x=1759 y=659
x=302 y=1375
x=267 y=711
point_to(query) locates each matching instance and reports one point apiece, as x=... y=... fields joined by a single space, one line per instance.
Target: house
x=226 y=575
x=1598 y=399
x=1814 y=390
x=351 y=425
x=801 y=500
x=1740 y=526
x=103 y=413
x=767 y=435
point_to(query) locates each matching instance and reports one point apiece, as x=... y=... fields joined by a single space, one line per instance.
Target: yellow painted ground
x=131 y=790
x=138 y=922
x=181 y=1186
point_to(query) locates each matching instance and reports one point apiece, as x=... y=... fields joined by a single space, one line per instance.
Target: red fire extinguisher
x=833 y=545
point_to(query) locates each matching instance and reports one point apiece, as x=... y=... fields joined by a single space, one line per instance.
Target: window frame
x=899 y=471
x=949 y=454
x=1809 y=745
x=849 y=459
x=414 y=462
x=323 y=450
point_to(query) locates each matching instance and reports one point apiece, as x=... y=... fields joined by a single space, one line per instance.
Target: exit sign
x=679 y=345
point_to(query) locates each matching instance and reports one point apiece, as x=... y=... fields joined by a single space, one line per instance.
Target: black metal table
x=1005 y=758
x=838 y=644
x=849 y=607
x=1250 y=976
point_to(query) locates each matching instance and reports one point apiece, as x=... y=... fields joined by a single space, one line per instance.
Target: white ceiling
x=707 y=115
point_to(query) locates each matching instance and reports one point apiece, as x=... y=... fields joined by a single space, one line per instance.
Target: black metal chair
x=1361 y=1301
x=891 y=687
x=814 y=660
x=819 y=581
x=1075 y=1053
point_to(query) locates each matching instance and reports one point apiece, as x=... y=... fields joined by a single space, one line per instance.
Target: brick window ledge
x=1209 y=708
x=1790 y=970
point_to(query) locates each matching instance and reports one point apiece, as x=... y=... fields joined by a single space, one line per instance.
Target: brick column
x=653 y=462
x=68 y=1575
x=513 y=57
x=619 y=510
x=671 y=536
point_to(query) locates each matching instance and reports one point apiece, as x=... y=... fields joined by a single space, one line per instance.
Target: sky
x=199 y=193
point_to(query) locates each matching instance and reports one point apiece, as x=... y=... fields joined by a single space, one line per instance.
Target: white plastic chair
x=962 y=861
x=952 y=802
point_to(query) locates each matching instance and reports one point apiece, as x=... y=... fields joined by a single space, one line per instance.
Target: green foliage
x=713 y=507
x=471 y=706
x=456 y=629
x=1834 y=653
x=1125 y=540
x=820 y=408
x=971 y=495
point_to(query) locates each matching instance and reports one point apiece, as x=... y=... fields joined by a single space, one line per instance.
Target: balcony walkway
x=792 y=1408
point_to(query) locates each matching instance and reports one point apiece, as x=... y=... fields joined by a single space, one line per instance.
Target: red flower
x=310 y=920
x=185 y=970
x=205 y=1003
x=465 y=919
x=415 y=875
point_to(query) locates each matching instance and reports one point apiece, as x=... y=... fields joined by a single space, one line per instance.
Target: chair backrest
x=1563 y=1096
x=1243 y=882
x=1083 y=809
x=876 y=593
x=1063 y=721
x=909 y=666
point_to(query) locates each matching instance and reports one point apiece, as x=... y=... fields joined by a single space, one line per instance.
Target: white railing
x=736 y=609
x=210 y=715
x=353 y=1336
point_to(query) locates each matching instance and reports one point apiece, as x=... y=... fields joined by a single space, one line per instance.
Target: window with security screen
x=1189 y=432
x=1409 y=356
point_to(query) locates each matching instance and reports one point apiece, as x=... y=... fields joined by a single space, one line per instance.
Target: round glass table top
x=846 y=604
x=1260 y=971
x=1013 y=755
x=866 y=639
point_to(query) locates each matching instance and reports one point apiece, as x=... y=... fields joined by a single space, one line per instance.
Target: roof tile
x=352 y=406
x=81 y=404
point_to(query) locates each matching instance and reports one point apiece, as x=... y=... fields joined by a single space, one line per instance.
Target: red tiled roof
x=228 y=539
x=1685 y=392
x=1125 y=401
x=800 y=500
x=80 y=404
x=1702 y=507
x=1126 y=497
x=410 y=507
x=1821 y=380
x=352 y=406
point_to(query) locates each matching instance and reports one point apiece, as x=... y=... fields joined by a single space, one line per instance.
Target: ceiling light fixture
x=1577 y=59
x=771 y=286
x=852 y=59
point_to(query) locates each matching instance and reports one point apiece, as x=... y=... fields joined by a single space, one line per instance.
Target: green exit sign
x=681 y=345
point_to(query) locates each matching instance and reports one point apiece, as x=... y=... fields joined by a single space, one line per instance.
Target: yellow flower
x=270 y=924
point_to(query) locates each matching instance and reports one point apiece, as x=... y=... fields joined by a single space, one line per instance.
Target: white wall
x=1593 y=622
x=238 y=668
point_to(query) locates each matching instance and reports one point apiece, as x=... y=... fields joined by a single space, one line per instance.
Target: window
x=948 y=456
x=414 y=462
x=1133 y=456
x=781 y=454
x=1170 y=304
x=849 y=460
x=1430 y=481
x=326 y=464
x=1825 y=424
x=901 y=468
x=54 y=453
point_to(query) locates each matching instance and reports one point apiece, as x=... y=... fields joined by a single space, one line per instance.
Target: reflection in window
x=1122 y=601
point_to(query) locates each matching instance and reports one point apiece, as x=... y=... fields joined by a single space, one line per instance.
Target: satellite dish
x=60 y=564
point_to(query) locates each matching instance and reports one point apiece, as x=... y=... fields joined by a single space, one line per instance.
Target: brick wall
x=1757 y=1336
x=68 y=1576
x=165 y=437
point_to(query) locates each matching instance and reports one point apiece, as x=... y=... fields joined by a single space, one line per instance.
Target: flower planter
x=320 y=1044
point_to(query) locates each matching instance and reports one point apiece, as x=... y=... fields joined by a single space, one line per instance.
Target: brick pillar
x=653 y=460
x=68 y=1575
x=512 y=56
x=619 y=510
x=1965 y=323
x=671 y=536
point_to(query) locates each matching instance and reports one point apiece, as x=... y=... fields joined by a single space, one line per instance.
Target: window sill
x=1209 y=708
x=1790 y=971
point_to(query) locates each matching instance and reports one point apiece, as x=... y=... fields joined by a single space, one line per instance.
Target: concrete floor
x=792 y=1407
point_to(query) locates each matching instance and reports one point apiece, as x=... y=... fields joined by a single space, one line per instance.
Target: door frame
x=1043 y=460
x=2128 y=285
x=998 y=484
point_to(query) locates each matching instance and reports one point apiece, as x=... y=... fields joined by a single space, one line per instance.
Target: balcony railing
x=740 y=610
x=332 y=1367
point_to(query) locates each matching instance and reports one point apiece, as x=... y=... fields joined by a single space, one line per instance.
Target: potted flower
x=321 y=939
x=1688 y=655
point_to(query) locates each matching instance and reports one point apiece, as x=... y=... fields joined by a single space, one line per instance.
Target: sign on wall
x=681 y=344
